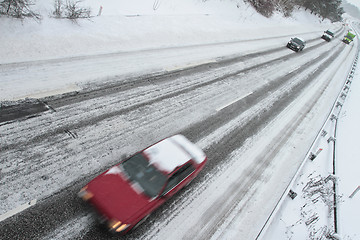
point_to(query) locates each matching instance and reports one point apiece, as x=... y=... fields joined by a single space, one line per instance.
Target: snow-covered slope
x=124 y=28
x=323 y=198
x=134 y=25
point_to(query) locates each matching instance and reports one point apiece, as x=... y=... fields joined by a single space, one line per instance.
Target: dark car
x=296 y=44
x=126 y=194
x=327 y=36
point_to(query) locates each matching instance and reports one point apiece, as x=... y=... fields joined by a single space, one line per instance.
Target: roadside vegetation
x=69 y=9
x=72 y=9
x=18 y=9
x=330 y=9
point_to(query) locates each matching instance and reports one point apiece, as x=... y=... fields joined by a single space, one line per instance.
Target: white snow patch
x=114 y=170
x=166 y=155
x=196 y=153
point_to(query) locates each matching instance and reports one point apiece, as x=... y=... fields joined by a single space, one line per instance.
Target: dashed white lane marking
x=234 y=101
x=17 y=210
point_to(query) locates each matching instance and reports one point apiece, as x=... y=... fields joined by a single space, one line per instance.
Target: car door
x=179 y=179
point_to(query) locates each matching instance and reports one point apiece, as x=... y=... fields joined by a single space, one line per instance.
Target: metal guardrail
x=331 y=116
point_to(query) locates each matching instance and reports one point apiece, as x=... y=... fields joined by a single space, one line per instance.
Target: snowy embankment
x=322 y=201
x=127 y=38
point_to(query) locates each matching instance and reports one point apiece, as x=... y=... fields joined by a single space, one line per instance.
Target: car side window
x=179 y=176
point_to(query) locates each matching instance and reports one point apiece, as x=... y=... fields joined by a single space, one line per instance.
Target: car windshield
x=139 y=170
x=298 y=41
x=330 y=33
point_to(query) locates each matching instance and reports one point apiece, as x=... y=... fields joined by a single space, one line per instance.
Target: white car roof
x=172 y=152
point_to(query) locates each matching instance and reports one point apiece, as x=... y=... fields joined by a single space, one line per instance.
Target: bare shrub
x=18 y=9
x=285 y=7
x=73 y=11
x=70 y=10
x=264 y=7
x=58 y=9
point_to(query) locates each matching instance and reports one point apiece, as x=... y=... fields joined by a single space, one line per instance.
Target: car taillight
x=117 y=226
x=85 y=194
x=122 y=227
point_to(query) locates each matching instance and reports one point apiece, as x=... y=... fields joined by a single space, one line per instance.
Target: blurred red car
x=127 y=193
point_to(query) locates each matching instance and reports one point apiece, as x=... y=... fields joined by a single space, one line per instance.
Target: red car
x=127 y=193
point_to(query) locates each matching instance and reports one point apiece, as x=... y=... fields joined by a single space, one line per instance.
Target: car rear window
x=298 y=41
x=330 y=33
x=139 y=170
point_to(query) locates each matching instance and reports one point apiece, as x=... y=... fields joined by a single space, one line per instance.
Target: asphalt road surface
x=51 y=147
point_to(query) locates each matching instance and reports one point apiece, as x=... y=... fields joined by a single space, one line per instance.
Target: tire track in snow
x=61 y=143
x=71 y=200
x=8 y=115
x=94 y=120
x=230 y=143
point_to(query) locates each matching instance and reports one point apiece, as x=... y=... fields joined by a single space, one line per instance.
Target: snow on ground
x=123 y=29
x=348 y=162
x=312 y=208
x=134 y=25
x=138 y=28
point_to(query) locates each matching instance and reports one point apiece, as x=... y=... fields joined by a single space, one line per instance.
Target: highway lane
x=26 y=108
x=41 y=219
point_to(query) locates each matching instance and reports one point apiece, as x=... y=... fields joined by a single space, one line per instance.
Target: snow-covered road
x=100 y=90
x=228 y=106
x=74 y=73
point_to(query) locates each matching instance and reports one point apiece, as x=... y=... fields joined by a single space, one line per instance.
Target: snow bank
x=307 y=212
x=138 y=24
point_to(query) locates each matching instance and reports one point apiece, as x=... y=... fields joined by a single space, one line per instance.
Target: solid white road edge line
x=17 y=210
x=228 y=104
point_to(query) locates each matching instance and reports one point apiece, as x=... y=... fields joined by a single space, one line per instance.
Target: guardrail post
x=331 y=139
